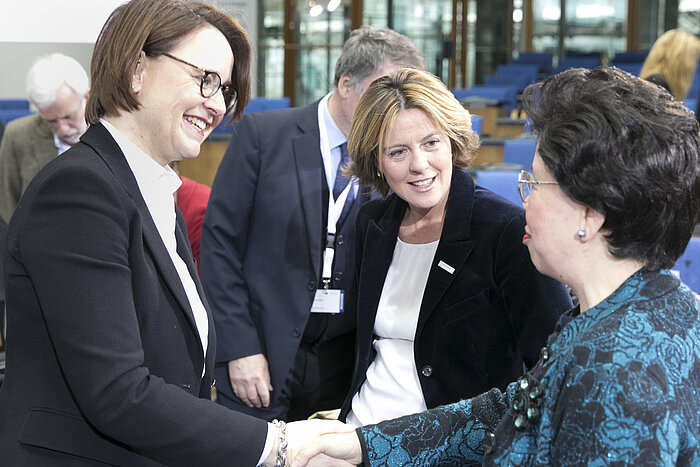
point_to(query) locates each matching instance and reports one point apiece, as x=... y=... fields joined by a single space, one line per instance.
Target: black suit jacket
x=478 y=326
x=262 y=241
x=104 y=359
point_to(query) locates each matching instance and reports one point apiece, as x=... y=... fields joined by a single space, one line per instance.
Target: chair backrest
x=502 y=182
x=16 y=104
x=519 y=151
x=477 y=124
x=503 y=94
x=7 y=115
x=257 y=104
x=688 y=265
x=543 y=60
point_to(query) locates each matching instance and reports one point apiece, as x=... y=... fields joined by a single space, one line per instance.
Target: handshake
x=314 y=443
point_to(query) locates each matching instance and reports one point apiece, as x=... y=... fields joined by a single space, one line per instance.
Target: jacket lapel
x=102 y=142
x=309 y=170
x=379 y=241
x=454 y=247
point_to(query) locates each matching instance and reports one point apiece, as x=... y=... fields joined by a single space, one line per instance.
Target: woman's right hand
x=331 y=449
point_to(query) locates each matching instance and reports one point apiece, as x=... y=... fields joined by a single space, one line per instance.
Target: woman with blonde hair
x=448 y=302
x=671 y=62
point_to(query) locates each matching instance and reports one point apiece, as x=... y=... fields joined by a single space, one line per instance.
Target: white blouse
x=392 y=387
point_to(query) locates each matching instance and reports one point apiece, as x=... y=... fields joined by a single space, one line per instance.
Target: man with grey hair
x=280 y=209
x=58 y=86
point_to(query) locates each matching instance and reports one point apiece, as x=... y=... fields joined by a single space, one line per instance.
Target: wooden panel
x=490 y=116
x=488 y=154
x=203 y=168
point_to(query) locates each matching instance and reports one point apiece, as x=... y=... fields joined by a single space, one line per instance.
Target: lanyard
x=335 y=206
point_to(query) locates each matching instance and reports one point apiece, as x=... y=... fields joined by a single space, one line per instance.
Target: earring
x=581 y=233
x=379 y=174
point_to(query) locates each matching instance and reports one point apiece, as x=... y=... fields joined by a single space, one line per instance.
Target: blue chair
x=629 y=57
x=502 y=182
x=688 y=265
x=543 y=60
x=633 y=68
x=7 y=115
x=519 y=151
x=256 y=104
x=477 y=124
x=503 y=94
x=14 y=104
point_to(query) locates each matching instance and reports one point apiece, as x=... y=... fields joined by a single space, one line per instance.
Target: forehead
x=207 y=48
x=66 y=103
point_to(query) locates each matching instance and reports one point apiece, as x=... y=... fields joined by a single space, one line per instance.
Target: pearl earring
x=581 y=233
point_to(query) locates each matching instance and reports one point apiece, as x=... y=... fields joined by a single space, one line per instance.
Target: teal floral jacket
x=616 y=385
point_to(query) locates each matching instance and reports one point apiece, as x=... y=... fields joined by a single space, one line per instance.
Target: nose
x=419 y=161
x=216 y=103
x=63 y=128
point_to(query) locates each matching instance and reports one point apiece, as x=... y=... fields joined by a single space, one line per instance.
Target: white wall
x=28 y=26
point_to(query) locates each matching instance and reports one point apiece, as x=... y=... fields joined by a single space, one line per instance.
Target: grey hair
x=368 y=49
x=49 y=72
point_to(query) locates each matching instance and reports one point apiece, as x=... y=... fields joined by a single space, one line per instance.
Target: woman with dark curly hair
x=610 y=205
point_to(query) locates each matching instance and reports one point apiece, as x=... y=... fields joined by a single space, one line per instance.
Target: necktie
x=340 y=180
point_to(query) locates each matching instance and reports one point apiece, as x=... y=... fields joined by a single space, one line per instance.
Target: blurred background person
x=110 y=348
x=449 y=304
x=672 y=61
x=58 y=86
x=610 y=205
x=280 y=206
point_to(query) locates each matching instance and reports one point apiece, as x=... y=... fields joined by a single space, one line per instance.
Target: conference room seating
x=688 y=265
x=502 y=182
x=519 y=151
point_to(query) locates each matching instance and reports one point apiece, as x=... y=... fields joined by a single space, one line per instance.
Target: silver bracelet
x=282 y=450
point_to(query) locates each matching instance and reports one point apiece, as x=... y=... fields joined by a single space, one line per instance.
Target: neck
x=129 y=128
x=337 y=114
x=422 y=227
x=602 y=278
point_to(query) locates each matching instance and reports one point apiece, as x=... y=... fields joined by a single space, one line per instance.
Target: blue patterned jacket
x=616 y=385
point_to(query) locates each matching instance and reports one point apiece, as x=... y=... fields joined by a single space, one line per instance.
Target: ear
x=345 y=86
x=591 y=222
x=139 y=72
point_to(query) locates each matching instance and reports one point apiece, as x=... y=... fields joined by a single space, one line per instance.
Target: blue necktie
x=340 y=180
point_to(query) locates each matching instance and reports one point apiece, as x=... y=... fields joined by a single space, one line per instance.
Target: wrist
x=278 y=454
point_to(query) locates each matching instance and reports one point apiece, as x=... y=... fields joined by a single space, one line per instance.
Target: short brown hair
x=156 y=27
x=381 y=103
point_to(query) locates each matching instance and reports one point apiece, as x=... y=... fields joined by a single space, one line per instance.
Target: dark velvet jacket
x=479 y=326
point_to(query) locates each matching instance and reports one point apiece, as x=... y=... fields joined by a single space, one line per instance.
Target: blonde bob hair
x=674 y=55
x=385 y=98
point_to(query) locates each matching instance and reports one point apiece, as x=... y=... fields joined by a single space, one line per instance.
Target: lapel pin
x=446 y=267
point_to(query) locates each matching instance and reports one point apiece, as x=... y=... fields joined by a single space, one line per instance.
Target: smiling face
x=553 y=219
x=174 y=119
x=416 y=160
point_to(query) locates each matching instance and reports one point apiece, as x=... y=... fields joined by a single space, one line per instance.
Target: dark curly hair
x=627 y=149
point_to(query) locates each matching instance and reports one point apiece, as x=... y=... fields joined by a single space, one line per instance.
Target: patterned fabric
x=620 y=386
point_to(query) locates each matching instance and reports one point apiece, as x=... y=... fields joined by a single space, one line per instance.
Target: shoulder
x=26 y=127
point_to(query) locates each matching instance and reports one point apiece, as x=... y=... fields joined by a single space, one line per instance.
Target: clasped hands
x=309 y=442
x=319 y=443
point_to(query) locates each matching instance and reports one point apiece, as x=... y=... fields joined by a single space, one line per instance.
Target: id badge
x=328 y=301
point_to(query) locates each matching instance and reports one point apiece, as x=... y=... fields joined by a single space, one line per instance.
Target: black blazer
x=262 y=241
x=477 y=327
x=104 y=359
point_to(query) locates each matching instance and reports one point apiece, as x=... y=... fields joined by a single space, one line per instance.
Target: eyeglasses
x=526 y=183
x=210 y=83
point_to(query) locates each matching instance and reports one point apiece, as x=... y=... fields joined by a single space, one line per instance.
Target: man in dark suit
x=283 y=351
